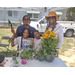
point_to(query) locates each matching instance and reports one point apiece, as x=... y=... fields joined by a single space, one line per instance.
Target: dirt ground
x=68 y=55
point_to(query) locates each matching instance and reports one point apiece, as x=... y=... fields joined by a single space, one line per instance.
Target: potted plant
x=49 y=45
x=24 y=56
x=16 y=63
x=32 y=53
x=40 y=55
x=14 y=52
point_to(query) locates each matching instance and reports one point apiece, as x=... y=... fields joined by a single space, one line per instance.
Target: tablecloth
x=57 y=62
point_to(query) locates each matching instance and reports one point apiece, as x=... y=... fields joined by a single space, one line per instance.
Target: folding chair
x=5 y=45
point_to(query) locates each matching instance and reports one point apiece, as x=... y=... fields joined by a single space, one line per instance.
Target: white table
x=57 y=62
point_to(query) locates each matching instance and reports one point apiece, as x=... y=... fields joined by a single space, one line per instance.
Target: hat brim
x=46 y=17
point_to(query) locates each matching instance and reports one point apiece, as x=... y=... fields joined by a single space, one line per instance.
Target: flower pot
x=49 y=58
x=23 y=61
x=14 y=57
x=16 y=63
x=41 y=58
x=36 y=57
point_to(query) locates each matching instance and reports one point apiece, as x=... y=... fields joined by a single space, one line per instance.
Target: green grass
x=6 y=32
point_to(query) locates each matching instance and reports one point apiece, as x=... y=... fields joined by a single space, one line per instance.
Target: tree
x=71 y=14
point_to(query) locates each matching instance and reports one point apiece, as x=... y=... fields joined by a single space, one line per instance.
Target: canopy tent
x=40 y=9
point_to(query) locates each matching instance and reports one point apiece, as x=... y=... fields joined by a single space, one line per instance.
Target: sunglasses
x=53 y=17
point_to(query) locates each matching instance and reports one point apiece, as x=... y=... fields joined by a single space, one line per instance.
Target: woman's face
x=51 y=19
x=25 y=34
x=37 y=35
x=26 y=20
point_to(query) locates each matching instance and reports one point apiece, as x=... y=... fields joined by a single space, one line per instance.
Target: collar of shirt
x=24 y=26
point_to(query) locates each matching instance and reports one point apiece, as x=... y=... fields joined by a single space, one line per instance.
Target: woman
x=54 y=26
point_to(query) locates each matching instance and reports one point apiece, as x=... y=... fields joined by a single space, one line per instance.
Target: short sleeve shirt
x=37 y=44
x=23 y=43
x=21 y=27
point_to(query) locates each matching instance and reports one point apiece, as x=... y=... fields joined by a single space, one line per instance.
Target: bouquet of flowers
x=49 y=43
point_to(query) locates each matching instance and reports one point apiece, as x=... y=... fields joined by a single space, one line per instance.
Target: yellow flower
x=58 y=39
x=53 y=33
x=47 y=31
x=53 y=37
x=48 y=34
x=45 y=36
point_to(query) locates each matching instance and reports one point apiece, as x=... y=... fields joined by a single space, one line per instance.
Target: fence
x=4 y=24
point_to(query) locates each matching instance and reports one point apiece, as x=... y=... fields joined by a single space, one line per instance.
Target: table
x=57 y=62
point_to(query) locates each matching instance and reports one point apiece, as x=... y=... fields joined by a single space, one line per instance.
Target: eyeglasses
x=53 y=17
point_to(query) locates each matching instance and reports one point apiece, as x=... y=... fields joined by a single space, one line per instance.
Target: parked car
x=33 y=19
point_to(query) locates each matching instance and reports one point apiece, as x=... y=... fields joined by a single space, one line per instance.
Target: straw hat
x=52 y=13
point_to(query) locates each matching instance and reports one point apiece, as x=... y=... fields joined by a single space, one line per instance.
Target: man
x=26 y=22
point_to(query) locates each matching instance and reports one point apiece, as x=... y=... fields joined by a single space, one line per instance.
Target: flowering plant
x=25 y=54
x=49 y=43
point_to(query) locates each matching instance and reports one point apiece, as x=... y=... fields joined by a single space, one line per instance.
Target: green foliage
x=14 y=52
x=29 y=44
x=71 y=14
x=24 y=54
x=16 y=62
x=31 y=53
x=49 y=46
x=27 y=54
x=40 y=54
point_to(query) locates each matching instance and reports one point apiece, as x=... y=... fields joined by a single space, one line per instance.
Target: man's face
x=26 y=20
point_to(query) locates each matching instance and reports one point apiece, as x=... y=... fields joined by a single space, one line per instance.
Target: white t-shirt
x=37 y=42
x=23 y=43
x=59 y=31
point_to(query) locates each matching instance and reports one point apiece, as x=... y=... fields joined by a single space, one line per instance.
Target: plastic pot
x=49 y=58
x=23 y=61
x=41 y=58
x=14 y=57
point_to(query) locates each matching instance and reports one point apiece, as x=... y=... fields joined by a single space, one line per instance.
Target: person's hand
x=12 y=30
x=57 y=52
x=32 y=39
x=11 y=39
x=32 y=42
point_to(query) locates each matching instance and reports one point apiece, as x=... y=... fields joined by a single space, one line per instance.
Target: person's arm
x=13 y=43
x=60 y=37
x=17 y=31
x=32 y=42
x=11 y=40
x=15 y=34
x=12 y=30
